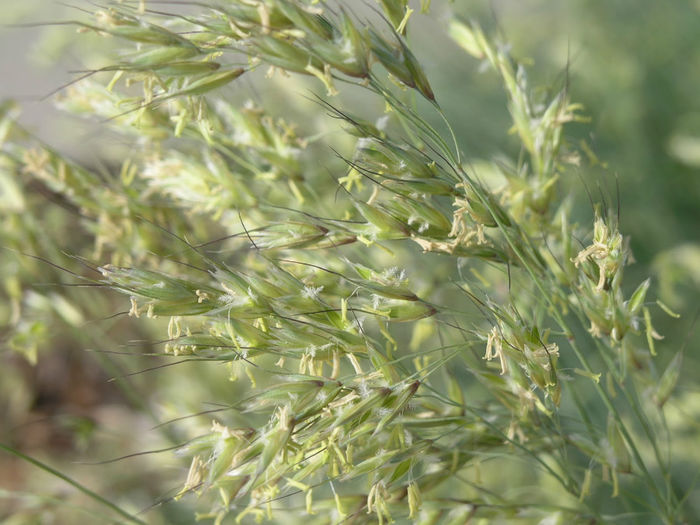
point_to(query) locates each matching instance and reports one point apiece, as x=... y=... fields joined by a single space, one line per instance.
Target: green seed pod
x=233 y=282
x=265 y=288
x=395 y=10
x=239 y=333
x=392 y=292
x=490 y=253
x=422 y=216
x=333 y=240
x=373 y=152
x=400 y=62
x=381 y=363
x=360 y=127
x=668 y=380
x=370 y=465
x=398 y=407
x=635 y=302
x=283 y=391
x=431 y=422
x=315 y=463
x=129 y=28
x=620 y=460
x=275 y=443
x=247 y=14
x=418 y=76
x=199 y=445
x=408 y=159
x=248 y=454
x=284 y=54
x=309 y=22
x=401 y=469
x=209 y=82
x=466 y=38
x=357 y=50
x=152 y=285
x=483 y=212
x=315 y=406
x=288 y=235
x=333 y=54
x=404 y=312
x=382 y=285
x=222 y=457
x=389 y=226
x=230 y=487
x=362 y=409
x=160 y=56
x=191 y=307
x=408 y=187
x=185 y=68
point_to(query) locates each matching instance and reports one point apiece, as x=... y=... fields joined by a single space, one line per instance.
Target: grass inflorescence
x=425 y=338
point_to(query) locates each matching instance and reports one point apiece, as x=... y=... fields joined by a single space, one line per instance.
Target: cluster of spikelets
x=360 y=425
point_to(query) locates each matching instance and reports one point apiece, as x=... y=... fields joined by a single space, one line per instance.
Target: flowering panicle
x=377 y=383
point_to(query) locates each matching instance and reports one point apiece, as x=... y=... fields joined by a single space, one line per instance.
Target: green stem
x=70 y=481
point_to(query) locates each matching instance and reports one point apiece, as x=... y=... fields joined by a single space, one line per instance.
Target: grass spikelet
x=414 y=333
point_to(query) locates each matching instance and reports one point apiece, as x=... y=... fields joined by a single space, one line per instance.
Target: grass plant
x=422 y=337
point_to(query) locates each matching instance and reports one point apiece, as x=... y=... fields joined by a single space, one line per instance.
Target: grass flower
x=303 y=290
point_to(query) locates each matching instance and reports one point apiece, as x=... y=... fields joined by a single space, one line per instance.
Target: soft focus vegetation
x=350 y=262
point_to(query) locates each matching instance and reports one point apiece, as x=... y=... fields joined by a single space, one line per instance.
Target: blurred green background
x=634 y=65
